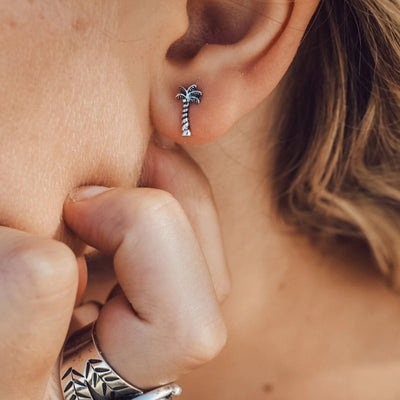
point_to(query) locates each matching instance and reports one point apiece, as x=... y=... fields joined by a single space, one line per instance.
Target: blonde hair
x=338 y=160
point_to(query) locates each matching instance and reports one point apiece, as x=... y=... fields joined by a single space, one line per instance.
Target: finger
x=175 y=172
x=176 y=322
x=82 y=279
x=38 y=285
x=84 y=315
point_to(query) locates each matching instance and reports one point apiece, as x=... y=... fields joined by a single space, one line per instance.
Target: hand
x=38 y=287
x=166 y=321
x=170 y=265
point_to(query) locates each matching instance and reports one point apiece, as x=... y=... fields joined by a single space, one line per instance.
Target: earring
x=188 y=96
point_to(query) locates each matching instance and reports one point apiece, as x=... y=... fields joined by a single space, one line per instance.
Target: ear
x=236 y=52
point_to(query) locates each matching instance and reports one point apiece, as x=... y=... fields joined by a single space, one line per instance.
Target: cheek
x=68 y=116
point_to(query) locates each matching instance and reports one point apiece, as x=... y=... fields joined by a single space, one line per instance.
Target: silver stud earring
x=188 y=96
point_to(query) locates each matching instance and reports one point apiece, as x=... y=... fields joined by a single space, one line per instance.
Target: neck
x=292 y=304
x=239 y=165
x=239 y=169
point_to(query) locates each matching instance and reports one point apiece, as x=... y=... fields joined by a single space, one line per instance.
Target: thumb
x=38 y=284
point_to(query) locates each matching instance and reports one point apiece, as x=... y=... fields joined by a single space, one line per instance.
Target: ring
x=85 y=374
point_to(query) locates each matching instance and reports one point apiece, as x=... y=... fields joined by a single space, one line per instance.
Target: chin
x=36 y=205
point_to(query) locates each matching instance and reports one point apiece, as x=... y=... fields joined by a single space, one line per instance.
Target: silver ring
x=85 y=374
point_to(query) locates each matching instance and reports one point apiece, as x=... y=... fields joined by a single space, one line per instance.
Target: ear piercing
x=188 y=96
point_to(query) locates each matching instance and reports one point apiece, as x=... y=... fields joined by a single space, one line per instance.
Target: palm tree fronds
x=196 y=93
x=192 y=88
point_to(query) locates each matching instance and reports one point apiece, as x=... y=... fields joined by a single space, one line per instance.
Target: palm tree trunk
x=185 y=119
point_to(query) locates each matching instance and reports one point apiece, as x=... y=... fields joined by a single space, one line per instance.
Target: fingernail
x=86 y=192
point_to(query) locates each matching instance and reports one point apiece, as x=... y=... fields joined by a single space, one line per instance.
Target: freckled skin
x=268 y=388
x=76 y=79
x=63 y=121
x=74 y=109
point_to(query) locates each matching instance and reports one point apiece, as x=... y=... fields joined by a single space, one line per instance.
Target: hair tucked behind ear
x=338 y=162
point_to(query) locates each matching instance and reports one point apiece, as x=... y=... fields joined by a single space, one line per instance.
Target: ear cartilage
x=188 y=96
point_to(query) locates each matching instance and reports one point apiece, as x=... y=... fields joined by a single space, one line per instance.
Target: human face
x=74 y=99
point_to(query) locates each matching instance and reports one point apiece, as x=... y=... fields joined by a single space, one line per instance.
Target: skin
x=84 y=87
x=80 y=127
x=303 y=322
x=59 y=129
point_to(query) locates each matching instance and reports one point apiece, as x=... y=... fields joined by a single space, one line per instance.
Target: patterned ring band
x=85 y=374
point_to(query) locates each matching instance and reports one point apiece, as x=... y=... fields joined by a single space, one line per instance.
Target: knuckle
x=43 y=269
x=161 y=200
x=159 y=205
x=203 y=343
x=141 y=213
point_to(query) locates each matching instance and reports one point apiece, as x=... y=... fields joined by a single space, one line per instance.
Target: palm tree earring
x=188 y=96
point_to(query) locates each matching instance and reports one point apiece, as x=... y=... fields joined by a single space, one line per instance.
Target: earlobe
x=233 y=77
